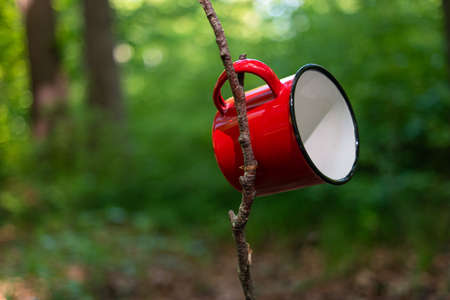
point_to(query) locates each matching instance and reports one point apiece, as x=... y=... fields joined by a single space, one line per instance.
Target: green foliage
x=159 y=172
x=15 y=98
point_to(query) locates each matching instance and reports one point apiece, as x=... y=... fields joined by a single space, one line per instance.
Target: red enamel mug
x=303 y=130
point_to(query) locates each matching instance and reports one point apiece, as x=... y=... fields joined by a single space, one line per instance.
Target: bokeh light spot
x=123 y=53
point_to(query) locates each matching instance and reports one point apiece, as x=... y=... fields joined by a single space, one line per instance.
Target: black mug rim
x=308 y=159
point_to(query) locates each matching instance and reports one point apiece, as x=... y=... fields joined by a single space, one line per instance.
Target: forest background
x=108 y=184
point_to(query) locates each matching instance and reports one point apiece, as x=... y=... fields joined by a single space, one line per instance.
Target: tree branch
x=241 y=76
x=239 y=221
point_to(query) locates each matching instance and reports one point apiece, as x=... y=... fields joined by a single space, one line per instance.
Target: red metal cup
x=303 y=130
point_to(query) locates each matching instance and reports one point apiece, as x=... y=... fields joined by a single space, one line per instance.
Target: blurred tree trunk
x=105 y=94
x=446 y=7
x=48 y=83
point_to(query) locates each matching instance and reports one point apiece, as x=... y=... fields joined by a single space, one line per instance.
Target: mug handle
x=250 y=66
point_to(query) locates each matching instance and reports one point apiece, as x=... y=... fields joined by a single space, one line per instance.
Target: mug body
x=287 y=150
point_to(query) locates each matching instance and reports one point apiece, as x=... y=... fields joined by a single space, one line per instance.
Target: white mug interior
x=325 y=124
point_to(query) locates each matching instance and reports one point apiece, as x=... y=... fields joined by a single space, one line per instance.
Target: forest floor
x=299 y=275
x=280 y=272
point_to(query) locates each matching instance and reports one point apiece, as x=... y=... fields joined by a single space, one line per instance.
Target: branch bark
x=239 y=221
